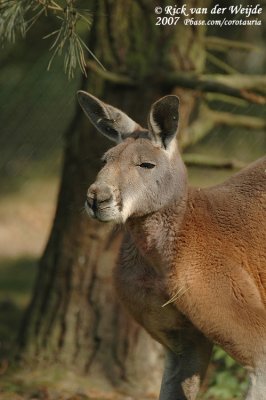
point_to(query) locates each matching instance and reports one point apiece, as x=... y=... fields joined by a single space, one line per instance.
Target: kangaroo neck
x=155 y=234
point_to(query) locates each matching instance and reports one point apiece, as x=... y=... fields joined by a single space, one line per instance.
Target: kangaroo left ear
x=108 y=120
x=163 y=120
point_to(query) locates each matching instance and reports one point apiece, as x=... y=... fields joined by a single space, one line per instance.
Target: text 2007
x=167 y=20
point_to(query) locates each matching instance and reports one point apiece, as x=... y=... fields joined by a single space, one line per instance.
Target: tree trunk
x=74 y=317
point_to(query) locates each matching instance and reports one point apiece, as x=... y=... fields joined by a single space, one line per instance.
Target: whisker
x=176 y=296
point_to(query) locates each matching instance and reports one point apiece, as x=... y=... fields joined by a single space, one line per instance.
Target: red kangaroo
x=192 y=268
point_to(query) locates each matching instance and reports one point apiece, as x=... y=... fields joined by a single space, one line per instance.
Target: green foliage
x=18 y=16
x=230 y=379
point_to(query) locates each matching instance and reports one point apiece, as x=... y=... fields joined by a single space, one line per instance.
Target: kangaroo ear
x=110 y=121
x=163 y=120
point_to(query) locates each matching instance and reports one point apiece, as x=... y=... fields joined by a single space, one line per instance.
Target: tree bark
x=74 y=317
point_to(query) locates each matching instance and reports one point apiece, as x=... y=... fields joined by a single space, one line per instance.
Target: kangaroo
x=192 y=267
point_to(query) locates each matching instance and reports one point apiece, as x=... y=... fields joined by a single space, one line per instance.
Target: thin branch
x=226 y=99
x=111 y=76
x=225 y=84
x=209 y=119
x=217 y=43
x=240 y=81
x=244 y=121
x=220 y=64
x=201 y=160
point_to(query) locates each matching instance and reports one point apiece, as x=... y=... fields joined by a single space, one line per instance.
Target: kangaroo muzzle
x=100 y=202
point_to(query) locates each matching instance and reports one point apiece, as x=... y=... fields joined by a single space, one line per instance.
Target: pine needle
x=18 y=16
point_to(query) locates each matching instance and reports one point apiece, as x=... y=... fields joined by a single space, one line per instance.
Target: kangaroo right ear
x=163 y=120
x=108 y=120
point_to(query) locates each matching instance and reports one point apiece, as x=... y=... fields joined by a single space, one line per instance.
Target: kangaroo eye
x=147 y=165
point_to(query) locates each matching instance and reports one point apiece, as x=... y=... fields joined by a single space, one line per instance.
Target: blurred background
x=56 y=310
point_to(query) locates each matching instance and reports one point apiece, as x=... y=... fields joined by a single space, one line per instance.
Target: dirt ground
x=56 y=384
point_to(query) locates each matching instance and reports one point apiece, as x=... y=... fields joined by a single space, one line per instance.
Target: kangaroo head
x=144 y=171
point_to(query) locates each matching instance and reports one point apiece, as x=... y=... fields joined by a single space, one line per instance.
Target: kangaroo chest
x=143 y=291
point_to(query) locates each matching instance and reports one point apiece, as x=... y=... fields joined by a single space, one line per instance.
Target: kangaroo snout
x=98 y=194
x=99 y=201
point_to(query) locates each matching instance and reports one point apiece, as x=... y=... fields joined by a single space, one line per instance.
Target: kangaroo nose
x=98 y=194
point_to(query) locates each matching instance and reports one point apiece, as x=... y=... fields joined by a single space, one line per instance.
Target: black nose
x=92 y=203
